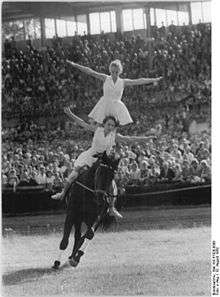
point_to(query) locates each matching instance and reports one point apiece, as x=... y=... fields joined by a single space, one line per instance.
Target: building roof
x=29 y=9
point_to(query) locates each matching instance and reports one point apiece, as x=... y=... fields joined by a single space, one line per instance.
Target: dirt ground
x=151 y=252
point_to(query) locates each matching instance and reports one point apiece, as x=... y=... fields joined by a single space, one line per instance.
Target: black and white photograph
x=106 y=147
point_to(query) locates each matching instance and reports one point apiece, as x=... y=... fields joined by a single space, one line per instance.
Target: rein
x=107 y=194
x=91 y=190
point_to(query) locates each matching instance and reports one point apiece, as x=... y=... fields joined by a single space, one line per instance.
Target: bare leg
x=112 y=210
x=71 y=178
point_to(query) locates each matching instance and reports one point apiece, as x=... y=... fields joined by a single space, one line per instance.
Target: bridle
x=97 y=191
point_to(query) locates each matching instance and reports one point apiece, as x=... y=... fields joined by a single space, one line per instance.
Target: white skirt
x=106 y=107
x=85 y=158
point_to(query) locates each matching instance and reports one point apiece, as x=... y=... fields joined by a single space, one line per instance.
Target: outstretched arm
x=141 y=81
x=130 y=139
x=88 y=70
x=152 y=134
x=78 y=120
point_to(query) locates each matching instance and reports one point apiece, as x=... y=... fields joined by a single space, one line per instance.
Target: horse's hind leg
x=77 y=243
x=67 y=229
x=77 y=236
x=65 y=240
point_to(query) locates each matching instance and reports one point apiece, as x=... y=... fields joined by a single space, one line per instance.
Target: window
x=37 y=31
x=171 y=17
x=152 y=17
x=61 y=28
x=183 y=18
x=29 y=28
x=127 y=20
x=105 y=22
x=206 y=8
x=71 y=28
x=113 y=21
x=161 y=17
x=196 y=12
x=17 y=30
x=94 y=23
x=138 y=19
x=49 y=28
x=81 y=24
x=32 y=28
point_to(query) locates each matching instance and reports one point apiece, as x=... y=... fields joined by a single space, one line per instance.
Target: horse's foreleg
x=92 y=227
x=80 y=245
x=65 y=240
x=84 y=241
x=79 y=249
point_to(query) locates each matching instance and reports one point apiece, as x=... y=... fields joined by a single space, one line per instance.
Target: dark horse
x=87 y=201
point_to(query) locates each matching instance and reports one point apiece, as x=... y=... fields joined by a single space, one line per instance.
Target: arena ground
x=151 y=252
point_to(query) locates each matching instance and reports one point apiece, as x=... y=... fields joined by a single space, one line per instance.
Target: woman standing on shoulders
x=113 y=86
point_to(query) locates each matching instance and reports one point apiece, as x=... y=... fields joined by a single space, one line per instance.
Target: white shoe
x=57 y=196
x=113 y=212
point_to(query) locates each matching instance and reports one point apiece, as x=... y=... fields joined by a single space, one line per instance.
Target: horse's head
x=106 y=169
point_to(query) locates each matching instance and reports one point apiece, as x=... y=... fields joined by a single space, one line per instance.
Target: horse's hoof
x=73 y=262
x=56 y=265
x=90 y=234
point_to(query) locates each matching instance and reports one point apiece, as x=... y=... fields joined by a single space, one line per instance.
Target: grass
x=151 y=252
x=151 y=262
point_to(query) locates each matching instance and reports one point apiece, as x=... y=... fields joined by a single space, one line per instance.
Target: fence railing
x=33 y=199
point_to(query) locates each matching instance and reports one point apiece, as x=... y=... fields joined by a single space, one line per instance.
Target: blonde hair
x=116 y=63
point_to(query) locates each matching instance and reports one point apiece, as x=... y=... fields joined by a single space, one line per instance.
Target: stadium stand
x=37 y=84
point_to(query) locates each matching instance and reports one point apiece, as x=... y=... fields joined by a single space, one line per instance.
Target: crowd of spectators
x=168 y=159
x=37 y=84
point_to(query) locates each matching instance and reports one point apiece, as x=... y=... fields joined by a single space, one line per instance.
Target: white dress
x=110 y=103
x=100 y=143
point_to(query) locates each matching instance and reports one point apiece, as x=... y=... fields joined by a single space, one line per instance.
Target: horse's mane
x=87 y=176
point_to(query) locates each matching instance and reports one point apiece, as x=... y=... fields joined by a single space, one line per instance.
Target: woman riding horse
x=105 y=138
x=87 y=201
